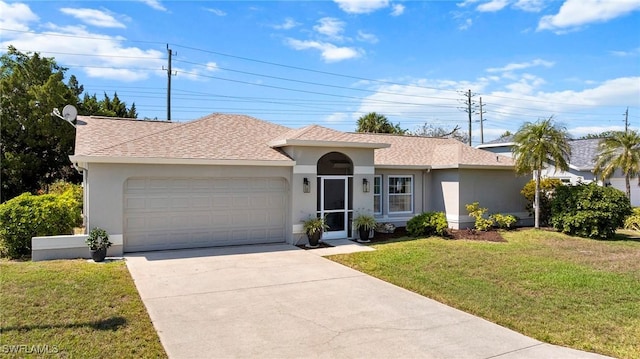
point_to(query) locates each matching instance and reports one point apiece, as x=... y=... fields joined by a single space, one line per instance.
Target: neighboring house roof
x=223 y=137
x=583 y=151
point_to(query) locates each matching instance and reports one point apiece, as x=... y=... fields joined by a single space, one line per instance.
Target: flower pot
x=98 y=255
x=364 y=235
x=314 y=238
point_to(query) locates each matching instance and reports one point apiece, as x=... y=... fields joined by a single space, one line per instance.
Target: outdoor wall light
x=365 y=185
x=306 y=187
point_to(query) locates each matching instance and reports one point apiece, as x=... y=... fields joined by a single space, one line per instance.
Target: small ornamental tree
x=589 y=211
x=482 y=223
x=547 y=189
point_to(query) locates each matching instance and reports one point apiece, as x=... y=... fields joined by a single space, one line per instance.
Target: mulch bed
x=454 y=234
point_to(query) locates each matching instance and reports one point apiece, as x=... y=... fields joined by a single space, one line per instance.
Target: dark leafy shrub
x=589 y=211
x=547 y=189
x=482 y=223
x=29 y=216
x=428 y=224
x=633 y=221
x=504 y=221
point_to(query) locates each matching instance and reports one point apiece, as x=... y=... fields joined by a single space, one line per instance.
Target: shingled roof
x=221 y=137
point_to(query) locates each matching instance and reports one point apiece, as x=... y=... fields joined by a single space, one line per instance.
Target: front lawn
x=73 y=309
x=574 y=292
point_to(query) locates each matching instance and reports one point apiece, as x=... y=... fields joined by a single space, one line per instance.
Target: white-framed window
x=377 y=194
x=400 y=194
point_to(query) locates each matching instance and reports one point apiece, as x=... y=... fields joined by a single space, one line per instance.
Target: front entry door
x=333 y=204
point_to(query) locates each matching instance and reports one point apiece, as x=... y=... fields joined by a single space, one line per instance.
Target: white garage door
x=172 y=213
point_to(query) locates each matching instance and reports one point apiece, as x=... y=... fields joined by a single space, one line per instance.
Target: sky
x=298 y=63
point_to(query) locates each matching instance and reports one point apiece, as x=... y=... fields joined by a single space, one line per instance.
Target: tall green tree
x=35 y=146
x=621 y=150
x=377 y=123
x=113 y=107
x=535 y=145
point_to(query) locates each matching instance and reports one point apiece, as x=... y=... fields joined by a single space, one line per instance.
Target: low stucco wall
x=69 y=247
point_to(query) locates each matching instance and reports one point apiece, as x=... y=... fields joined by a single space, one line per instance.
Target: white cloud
x=361 y=6
x=398 y=9
x=111 y=59
x=632 y=52
x=288 y=24
x=216 y=12
x=466 y=3
x=330 y=52
x=16 y=16
x=337 y=118
x=521 y=66
x=330 y=27
x=93 y=17
x=366 y=37
x=465 y=25
x=576 y=13
x=492 y=6
x=529 y=5
x=155 y=4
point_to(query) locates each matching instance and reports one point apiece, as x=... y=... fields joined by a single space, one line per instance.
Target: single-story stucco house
x=581 y=165
x=232 y=179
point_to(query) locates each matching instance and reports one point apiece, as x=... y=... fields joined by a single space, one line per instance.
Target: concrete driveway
x=278 y=301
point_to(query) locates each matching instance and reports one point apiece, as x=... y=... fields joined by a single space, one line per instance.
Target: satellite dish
x=69 y=113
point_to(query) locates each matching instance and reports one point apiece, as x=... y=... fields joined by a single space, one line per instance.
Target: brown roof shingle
x=239 y=137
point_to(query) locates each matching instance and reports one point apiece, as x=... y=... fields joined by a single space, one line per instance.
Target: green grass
x=73 y=309
x=563 y=290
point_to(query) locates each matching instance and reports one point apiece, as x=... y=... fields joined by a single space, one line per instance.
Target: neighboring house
x=233 y=179
x=581 y=165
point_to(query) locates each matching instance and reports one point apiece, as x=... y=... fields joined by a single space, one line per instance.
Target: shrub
x=504 y=221
x=69 y=189
x=428 y=224
x=547 y=189
x=633 y=221
x=589 y=210
x=482 y=224
x=29 y=216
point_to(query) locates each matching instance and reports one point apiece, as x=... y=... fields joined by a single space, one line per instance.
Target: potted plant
x=364 y=224
x=314 y=227
x=98 y=242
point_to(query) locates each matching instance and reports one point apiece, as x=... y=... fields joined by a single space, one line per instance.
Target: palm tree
x=619 y=151
x=535 y=145
x=377 y=123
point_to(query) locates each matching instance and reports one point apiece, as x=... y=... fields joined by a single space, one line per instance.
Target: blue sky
x=328 y=62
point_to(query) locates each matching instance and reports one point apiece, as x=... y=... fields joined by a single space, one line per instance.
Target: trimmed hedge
x=29 y=216
x=589 y=211
x=428 y=224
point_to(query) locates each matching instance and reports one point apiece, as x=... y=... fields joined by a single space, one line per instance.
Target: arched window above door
x=335 y=163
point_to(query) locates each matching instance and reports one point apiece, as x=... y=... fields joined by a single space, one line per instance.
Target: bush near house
x=504 y=221
x=633 y=221
x=547 y=189
x=589 y=211
x=475 y=211
x=428 y=224
x=29 y=216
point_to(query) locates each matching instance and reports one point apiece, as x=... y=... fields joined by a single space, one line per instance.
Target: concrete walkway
x=278 y=301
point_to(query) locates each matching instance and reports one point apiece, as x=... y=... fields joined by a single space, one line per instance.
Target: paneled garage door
x=172 y=213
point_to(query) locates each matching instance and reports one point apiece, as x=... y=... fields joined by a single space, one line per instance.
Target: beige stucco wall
x=105 y=186
x=496 y=190
x=305 y=204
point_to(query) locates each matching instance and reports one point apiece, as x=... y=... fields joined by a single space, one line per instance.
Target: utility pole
x=469 y=108
x=481 y=123
x=169 y=74
x=626 y=121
